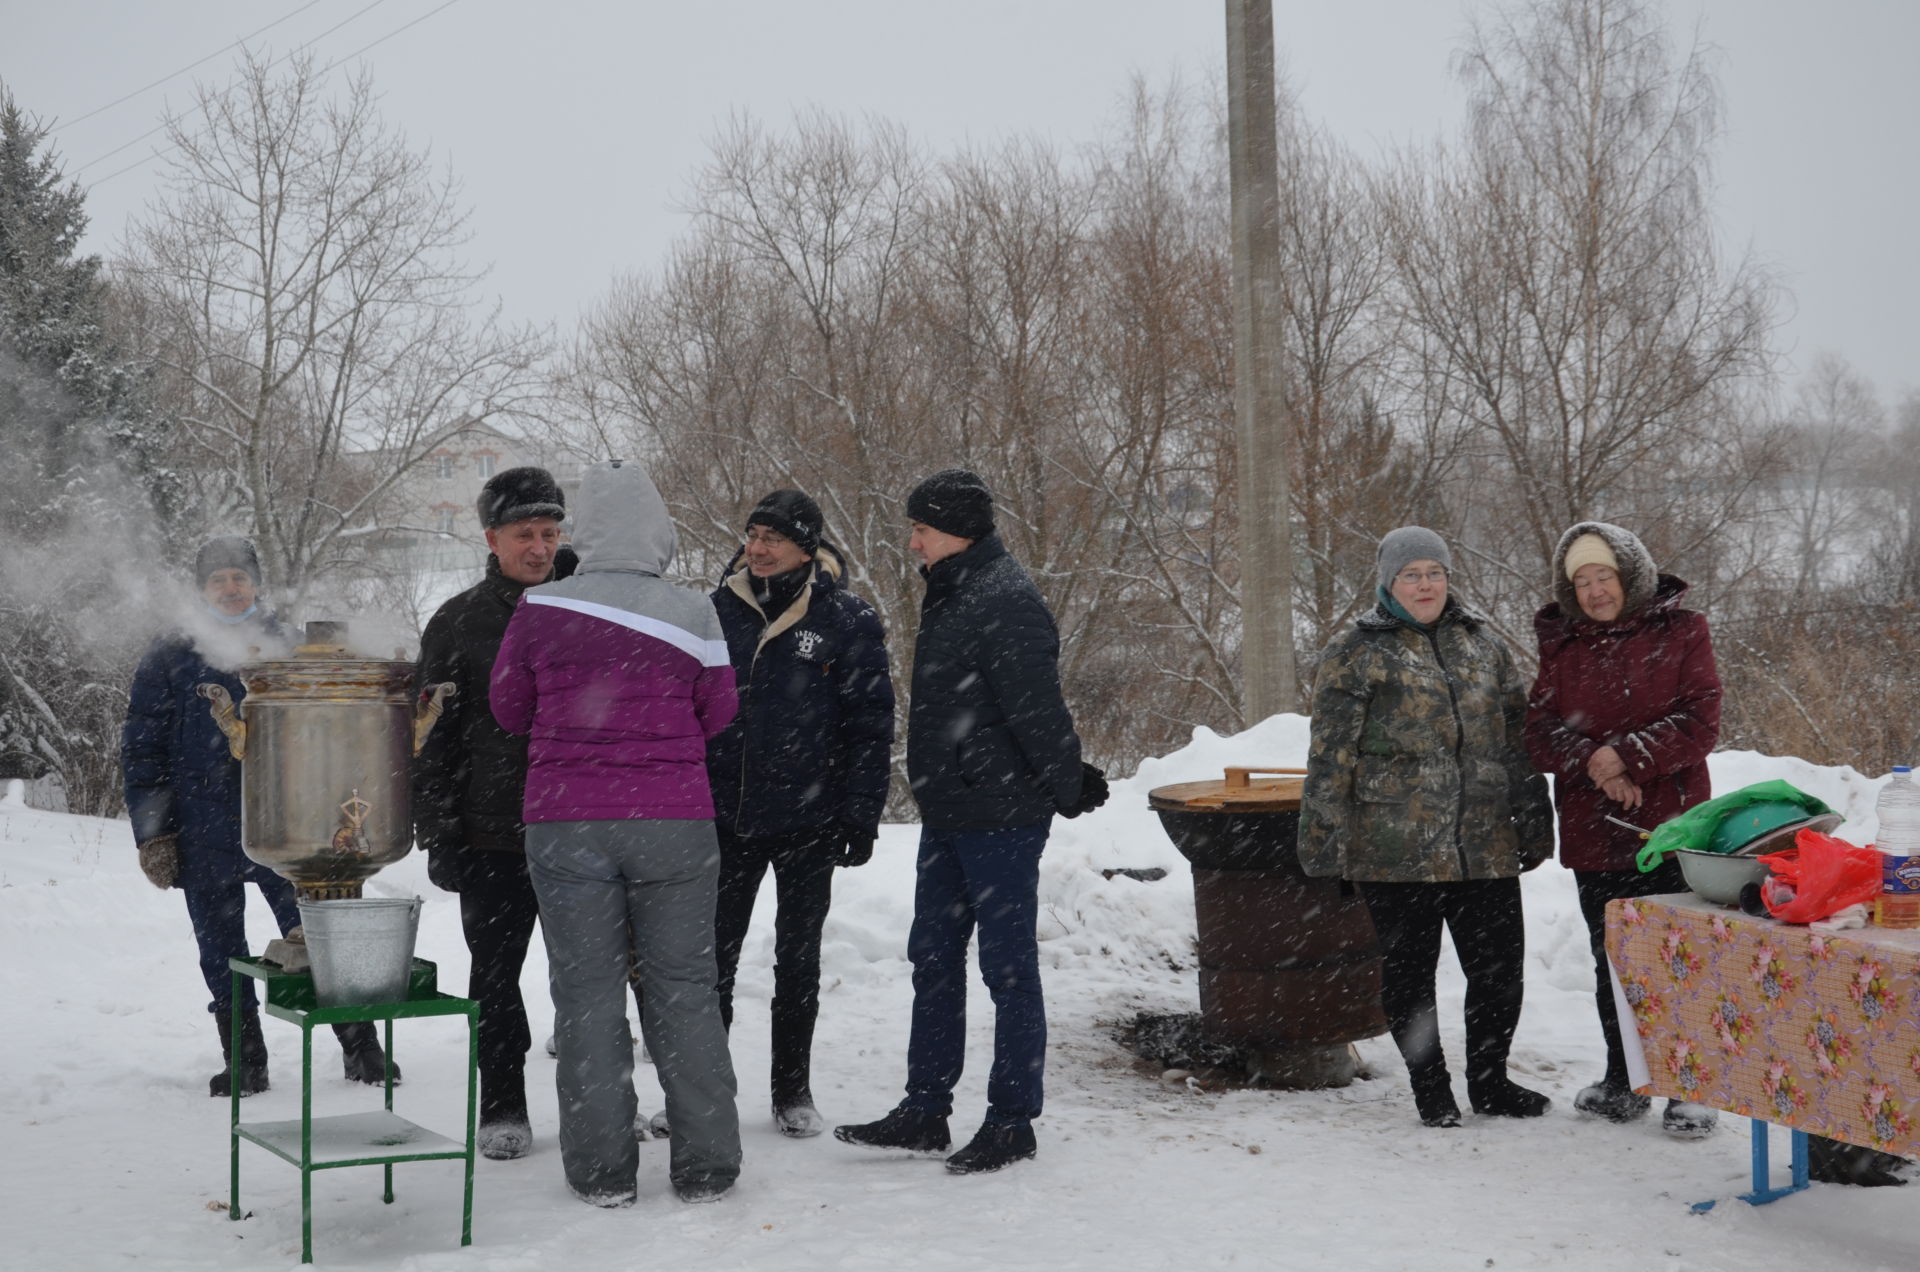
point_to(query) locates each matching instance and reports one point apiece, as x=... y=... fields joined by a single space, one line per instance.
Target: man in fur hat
x=468 y=782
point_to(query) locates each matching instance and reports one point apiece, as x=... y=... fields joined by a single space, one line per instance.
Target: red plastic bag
x=1819 y=876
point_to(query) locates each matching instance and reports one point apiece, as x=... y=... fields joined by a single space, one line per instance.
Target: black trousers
x=802 y=867
x=1596 y=888
x=497 y=913
x=1483 y=917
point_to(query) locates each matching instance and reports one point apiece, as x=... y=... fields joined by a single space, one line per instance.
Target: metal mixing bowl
x=1718 y=878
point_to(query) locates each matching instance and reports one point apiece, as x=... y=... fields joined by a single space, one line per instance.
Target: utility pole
x=1259 y=398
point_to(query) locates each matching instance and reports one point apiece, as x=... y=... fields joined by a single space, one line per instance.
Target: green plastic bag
x=1695 y=828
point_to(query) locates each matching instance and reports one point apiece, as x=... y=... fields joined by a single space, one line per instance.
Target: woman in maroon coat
x=1623 y=714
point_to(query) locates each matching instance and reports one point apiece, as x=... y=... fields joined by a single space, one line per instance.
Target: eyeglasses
x=770 y=538
x=1413 y=578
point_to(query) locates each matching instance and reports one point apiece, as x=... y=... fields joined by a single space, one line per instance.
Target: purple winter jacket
x=620 y=676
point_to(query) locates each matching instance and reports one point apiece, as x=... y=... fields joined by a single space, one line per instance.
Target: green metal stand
x=353 y=1139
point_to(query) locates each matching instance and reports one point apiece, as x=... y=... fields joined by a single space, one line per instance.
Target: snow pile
x=115 y=1155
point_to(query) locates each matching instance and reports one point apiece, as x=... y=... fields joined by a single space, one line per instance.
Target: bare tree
x=1898 y=557
x=1560 y=271
x=304 y=291
x=1836 y=429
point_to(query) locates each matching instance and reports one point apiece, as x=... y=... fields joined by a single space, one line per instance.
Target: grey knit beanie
x=1399 y=548
x=228 y=552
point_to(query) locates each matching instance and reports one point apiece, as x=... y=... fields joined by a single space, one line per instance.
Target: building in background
x=430 y=517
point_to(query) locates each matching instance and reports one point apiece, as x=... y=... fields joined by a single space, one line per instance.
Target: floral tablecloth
x=1817 y=1031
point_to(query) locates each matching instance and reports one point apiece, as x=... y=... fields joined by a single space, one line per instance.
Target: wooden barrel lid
x=1238 y=792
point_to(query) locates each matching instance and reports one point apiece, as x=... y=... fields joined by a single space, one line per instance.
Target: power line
x=389 y=35
x=164 y=123
x=189 y=66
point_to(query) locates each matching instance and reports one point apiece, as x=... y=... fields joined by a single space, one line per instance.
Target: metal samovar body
x=325 y=742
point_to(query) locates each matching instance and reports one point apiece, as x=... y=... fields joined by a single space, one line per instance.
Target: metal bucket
x=362 y=950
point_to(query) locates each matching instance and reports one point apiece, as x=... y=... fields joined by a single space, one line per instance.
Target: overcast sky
x=574 y=124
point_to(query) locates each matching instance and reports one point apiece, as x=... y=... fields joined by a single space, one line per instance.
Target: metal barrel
x=1287 y=963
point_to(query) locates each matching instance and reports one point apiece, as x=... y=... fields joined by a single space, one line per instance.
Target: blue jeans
x=216 y=892
x=988 y=879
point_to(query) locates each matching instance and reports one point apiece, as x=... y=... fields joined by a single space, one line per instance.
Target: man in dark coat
x=182 y=787
x=468 y=782
x=800 y=775
x=992 y=755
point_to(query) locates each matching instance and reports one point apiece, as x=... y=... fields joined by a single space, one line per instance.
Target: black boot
x=993 y=1148
x=1833 y=1162
x=253 y=1056
x=1612 y=1101
x=1491 y=1092
x=1433 y=1097
x=906 y=1128
x=361 y=1057
x=506 y=1131
x=1497 y=1095
x=796 y=1117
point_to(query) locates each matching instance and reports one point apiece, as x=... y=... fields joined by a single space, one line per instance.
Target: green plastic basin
x=1737 y=830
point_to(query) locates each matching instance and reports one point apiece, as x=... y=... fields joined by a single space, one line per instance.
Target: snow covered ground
x=115 y=1157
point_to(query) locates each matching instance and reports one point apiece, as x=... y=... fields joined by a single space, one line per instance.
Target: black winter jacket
x=177 y=773
x=990 y=743
x=812 y=742
x=471 y=775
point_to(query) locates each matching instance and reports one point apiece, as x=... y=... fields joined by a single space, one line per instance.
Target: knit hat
x=228 y=552
x=1590 y=549
x=519 y=494
x=953 y=501
x=1399 y=548
x=1639 y=577
x=791 y=513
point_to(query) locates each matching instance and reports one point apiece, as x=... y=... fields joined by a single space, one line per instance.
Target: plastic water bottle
x=1899 y=840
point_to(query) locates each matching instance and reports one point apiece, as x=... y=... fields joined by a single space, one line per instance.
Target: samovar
x=325 y=740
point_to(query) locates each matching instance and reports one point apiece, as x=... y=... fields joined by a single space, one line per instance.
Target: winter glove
x=1093 y=791
x=857 y=845
x=443 y=867
x=160 y=860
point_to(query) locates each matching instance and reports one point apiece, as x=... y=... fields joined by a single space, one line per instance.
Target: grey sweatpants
x=598 y=880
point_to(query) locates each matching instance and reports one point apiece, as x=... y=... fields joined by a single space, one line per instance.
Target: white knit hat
x=1590 y=549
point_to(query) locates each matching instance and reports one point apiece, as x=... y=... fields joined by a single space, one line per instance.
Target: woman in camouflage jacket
x=1419 y=791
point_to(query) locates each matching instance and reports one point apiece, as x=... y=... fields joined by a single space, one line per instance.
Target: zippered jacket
x=810 y=746
x=470 y=775
x=177 y=773
x=990 y=742
x=1644 y=684
x=618 y=676
x=1417 y=772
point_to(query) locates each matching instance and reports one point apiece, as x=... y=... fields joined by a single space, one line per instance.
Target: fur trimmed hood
x=1639 y=578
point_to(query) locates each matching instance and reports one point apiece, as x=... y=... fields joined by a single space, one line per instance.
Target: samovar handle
x=433 y=701
x=227 y=717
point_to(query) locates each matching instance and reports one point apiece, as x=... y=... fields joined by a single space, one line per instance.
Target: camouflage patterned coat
x=1417 y=771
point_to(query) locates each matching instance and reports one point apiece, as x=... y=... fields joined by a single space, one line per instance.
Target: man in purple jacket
x=620 y=678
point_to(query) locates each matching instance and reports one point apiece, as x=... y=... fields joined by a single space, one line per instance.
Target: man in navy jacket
x=182 y=787
x=800 y=776
x=992 y=755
